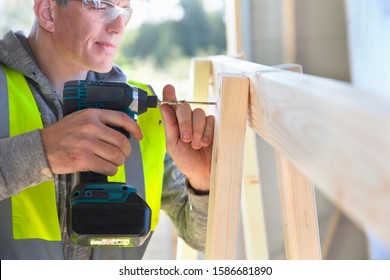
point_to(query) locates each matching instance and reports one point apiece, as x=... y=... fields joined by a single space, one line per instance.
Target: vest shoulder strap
x=34 y=210
x=153 y=152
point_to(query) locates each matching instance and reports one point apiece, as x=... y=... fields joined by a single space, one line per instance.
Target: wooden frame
x=335 y=136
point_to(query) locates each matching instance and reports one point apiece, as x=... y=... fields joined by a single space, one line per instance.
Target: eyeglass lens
x=106 y=11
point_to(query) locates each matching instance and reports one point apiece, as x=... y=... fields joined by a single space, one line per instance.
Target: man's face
x=83 y=41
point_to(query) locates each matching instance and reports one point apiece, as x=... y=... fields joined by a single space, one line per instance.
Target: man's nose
x=118 y=25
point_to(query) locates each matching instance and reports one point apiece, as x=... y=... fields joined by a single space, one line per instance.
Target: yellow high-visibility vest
x=34 y=210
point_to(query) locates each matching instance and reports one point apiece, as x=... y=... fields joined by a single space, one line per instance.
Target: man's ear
x=44 y=12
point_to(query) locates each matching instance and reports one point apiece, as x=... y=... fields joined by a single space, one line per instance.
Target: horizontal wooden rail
x=336 y=135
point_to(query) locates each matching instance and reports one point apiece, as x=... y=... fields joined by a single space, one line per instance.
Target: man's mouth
x=107 y=46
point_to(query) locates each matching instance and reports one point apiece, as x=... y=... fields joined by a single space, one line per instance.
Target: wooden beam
x=336 y=135
x=227 y=164
x=297 y=196
x=233 y=28
x=289 y=44
x=301 y=234
x=254 y=229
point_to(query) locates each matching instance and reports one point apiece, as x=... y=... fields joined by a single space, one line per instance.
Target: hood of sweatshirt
x=16 y=53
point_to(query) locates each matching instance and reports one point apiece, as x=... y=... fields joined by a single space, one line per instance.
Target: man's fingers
x=172 y=132
x=170 y=124
x=121 y=120
x=198 y=124
x=184 y=119
x=169 y=93
x=111 y=153
x=208 y=134
x=183 y=123
x=102 y=166
x=116 y=139
x=86 y=141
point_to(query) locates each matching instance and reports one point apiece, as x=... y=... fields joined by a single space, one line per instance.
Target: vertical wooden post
x=200 y=75
x=255 y=237
x=233 y=27
x=301 y=234
x=289 y=31
x=227 y=165
x=299 y=212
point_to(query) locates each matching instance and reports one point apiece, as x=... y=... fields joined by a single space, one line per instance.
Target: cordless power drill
x=102 y=213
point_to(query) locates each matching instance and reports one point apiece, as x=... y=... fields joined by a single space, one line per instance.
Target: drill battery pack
x=108 y=215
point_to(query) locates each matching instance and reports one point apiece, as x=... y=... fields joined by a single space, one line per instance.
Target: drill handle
x=121 y=130
x=92 y=177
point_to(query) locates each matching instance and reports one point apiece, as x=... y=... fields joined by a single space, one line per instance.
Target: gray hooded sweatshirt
x=27 y=165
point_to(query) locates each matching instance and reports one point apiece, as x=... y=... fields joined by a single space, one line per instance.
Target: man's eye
x=96 y=6
x=102 y=6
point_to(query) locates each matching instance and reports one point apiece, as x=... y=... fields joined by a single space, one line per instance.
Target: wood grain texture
x=336 y=135
x=227 y=164
x=297 y=196
x=254 y=227
x=297 y=199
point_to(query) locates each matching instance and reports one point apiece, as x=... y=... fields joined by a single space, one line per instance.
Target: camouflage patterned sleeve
x=187 y=210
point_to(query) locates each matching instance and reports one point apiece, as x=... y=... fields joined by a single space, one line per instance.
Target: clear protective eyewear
x=106 y=11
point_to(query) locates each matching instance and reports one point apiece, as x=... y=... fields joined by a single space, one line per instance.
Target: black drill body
x=102 y=213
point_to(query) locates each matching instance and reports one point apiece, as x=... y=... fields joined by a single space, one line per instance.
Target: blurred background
x=162 y=37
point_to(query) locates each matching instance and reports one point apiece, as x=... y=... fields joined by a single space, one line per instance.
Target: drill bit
x=184 y=102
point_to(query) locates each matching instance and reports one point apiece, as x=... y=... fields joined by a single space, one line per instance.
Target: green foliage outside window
x=197 y=33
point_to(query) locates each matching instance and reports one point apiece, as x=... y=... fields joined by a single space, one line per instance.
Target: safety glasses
x=106 y=11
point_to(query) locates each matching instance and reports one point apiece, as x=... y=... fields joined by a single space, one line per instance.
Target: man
x=77 y=40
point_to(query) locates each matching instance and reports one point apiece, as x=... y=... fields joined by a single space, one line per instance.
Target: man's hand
x=189 y=135
x=83 y=141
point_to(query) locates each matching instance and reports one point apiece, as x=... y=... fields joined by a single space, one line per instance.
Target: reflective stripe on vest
x=34 y=210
